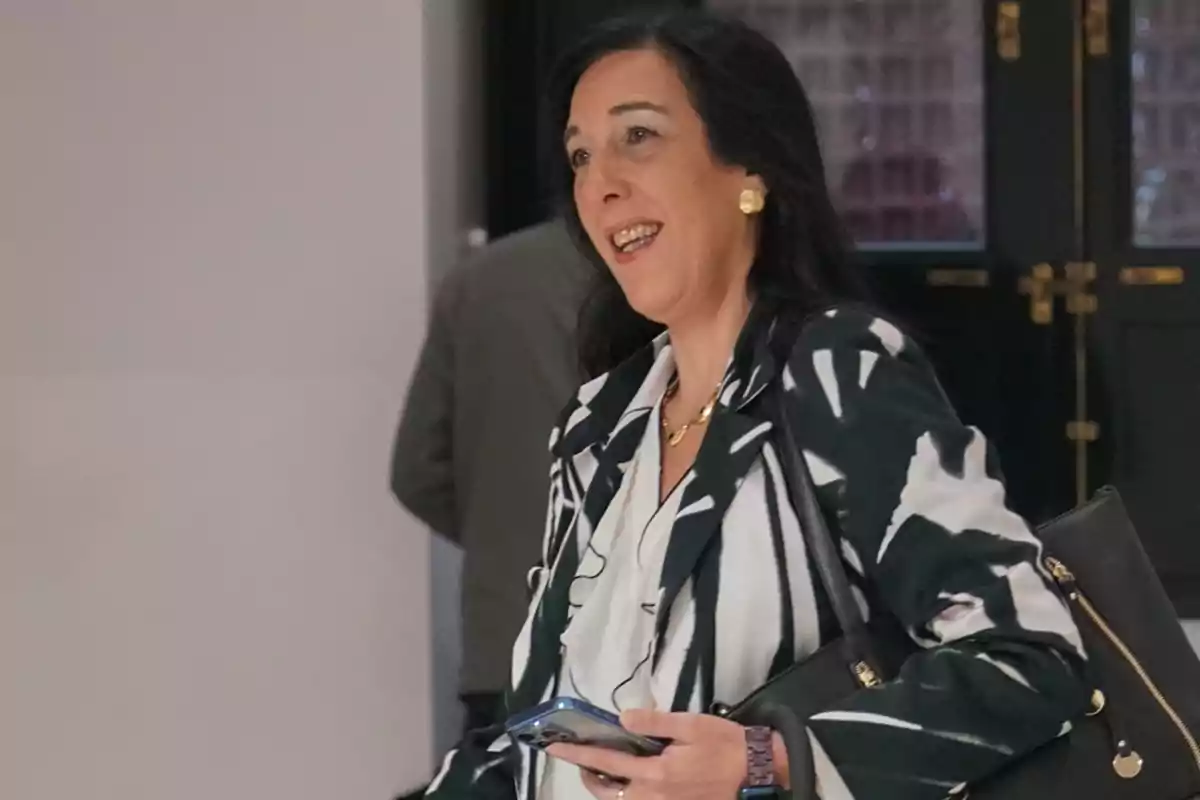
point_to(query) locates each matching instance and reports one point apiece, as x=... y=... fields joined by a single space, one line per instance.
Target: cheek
x=705 y=219
x=692 y=196
x=586 y=210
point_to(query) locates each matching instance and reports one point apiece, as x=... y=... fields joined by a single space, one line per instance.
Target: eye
x=578 y=158
x=638 y=134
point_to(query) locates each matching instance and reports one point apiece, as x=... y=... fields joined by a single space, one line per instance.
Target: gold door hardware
x=1041 y=296
x=1008 y=30
x=1083 y=430
x=1095 y=27
x=1042 y=287
x=1151 y=276
x=959 y=278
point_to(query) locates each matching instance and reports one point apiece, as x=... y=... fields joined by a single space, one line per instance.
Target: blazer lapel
x=731 y=446
x=605 y=422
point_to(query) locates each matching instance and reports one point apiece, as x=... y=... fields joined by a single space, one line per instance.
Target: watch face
x=760 y=793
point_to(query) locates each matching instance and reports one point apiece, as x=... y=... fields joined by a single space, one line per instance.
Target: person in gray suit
x=470 y=457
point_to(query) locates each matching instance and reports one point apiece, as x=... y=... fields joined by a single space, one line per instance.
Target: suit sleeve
x=924 y=519
x=422 y=476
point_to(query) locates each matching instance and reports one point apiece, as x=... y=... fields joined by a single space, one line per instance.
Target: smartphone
x=568 y=720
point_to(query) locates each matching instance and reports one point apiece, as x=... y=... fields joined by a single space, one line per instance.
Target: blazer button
x=720 y=709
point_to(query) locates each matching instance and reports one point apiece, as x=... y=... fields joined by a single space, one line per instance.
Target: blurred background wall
x=216 y=221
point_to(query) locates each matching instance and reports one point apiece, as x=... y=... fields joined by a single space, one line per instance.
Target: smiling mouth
x=635 y=237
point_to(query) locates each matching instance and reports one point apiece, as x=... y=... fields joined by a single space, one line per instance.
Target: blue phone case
x=571 y=721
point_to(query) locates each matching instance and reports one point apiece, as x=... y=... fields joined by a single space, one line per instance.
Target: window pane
x=1165 y=68
x=897 y=87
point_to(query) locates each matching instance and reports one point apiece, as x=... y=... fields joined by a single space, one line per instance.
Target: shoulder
x=532 y=280
x=539 y=248
x=873 y=421
x=866 y=376
x=854 y=327
x=857 y=349
x=528 y=274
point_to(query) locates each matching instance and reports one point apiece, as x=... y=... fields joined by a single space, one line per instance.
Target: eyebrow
x=617 y=110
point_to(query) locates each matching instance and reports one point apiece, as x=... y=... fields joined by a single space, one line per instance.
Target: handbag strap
x=822 y=548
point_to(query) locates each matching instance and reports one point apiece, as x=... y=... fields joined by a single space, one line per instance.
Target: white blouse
x=607 y=647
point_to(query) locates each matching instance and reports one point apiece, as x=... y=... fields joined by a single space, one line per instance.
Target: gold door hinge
x=1095 y=28
x=1008 y=30
x=1083 y=430
x=1151 y=276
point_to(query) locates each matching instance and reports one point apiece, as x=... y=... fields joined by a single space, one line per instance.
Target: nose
x=606 y=181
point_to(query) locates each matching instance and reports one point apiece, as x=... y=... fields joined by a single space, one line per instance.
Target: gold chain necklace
x=674 y=438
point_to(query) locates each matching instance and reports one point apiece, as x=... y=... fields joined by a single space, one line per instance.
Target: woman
x=674 y=573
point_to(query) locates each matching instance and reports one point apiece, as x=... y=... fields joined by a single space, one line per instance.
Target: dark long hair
x=757 y=116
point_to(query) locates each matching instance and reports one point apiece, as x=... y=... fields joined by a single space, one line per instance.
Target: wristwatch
x=760 y=760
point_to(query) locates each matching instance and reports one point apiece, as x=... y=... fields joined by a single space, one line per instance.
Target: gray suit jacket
x=470 y=458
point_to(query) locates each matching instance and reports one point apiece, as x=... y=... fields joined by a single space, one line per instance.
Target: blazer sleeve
x=922 y=511
x=422 y=476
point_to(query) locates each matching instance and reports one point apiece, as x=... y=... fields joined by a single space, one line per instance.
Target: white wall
x=212 y=284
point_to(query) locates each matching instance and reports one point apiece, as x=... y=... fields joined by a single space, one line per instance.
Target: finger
x=601 y=788
x=678 y=727
x=600 y=776
x=610 y=762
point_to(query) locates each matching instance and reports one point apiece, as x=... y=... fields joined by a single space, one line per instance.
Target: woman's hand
x=706 y=759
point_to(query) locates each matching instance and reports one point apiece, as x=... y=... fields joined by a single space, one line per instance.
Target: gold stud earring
x=751 y=201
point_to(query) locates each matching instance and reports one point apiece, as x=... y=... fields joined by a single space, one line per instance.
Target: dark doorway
x=1023 y=180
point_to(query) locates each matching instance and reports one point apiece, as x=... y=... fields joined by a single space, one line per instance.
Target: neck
x=702 y=346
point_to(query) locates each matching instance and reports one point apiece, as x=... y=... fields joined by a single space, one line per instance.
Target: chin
x=654 y=308
x=646 y=292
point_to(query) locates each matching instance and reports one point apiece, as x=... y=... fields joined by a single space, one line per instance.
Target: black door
x=1142 y=200
x=1022 y=178
x=947 y=130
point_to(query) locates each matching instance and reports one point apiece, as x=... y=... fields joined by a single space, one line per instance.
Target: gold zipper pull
x=1128 y=762
x=866 y=676
x=1064 y=576
x=1059 y=570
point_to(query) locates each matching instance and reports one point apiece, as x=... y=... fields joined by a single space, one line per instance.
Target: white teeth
x=634 y=236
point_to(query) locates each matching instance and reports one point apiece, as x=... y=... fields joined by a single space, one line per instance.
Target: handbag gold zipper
x=1066 y=579
x=866 y=676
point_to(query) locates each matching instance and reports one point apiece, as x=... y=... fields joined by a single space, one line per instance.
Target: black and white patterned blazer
x=925 y=530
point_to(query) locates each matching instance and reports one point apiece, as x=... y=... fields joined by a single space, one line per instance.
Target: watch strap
x=760 y=756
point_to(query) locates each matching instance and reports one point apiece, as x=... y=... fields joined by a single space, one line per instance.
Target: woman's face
x=656 y=204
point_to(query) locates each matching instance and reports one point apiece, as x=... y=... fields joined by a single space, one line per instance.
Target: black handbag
x=1139 y=741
